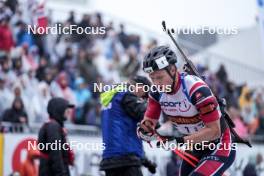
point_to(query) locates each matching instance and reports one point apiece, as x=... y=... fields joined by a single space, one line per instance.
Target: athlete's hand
x=145 y=131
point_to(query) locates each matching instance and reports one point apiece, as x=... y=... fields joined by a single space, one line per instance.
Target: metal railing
x=87 y=130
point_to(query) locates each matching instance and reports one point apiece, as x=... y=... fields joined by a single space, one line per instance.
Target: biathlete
x=192 y=107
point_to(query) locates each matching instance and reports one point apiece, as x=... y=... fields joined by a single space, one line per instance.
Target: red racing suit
x=191 y=105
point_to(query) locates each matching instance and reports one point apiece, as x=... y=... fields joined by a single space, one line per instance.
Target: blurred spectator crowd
x=244 y=105
x=36 y=67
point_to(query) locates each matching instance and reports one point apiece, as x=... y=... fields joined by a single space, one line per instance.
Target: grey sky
x=178 y=13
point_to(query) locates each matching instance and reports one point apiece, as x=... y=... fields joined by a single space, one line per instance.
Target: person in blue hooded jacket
x=122 y=109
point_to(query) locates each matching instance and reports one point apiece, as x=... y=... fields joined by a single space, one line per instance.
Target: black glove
x=151 y=166
x=145 y=132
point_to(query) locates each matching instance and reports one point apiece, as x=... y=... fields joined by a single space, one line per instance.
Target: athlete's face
x=162 y=78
